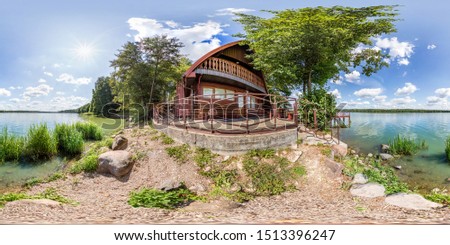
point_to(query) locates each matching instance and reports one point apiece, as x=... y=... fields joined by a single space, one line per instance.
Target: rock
x=169 y=185
x=447 y=180
x=411 y=201
x=120 y=143
x=36 y=202
x=384 y=148
x=340 y=150
x=385 y=156
x=212 y=207
x=360 y=179
x=353 y=152
x=117 y=163
x=398 y=167
x=370 y=155
x=198 y=188
x=369 y=190
x=225 y=158
x=294 y=156
x=334 y=167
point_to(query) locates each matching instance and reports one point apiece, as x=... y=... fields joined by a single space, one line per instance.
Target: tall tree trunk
x=153 y=81
x=309 y=82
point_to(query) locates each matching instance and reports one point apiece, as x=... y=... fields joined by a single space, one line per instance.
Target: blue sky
x=51 y=52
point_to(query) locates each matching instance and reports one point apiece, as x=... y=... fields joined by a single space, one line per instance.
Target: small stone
x=198 y=188
x=369 y=190
x=340 y=150
x=353 y=152
x=385 y=156
x=384 y=148
x=398 y=167
x=225 y=158
x=120 y=143
x=360 y=179
x=294 y=156
x=169 y=185
x=370 y=155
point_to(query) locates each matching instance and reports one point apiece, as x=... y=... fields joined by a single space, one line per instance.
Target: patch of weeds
x=386 y=176
x=326 y=151
x=438 y=196
x=299 y=171
x=152 y=198
x=447 y=148
x=180 y=153
x=166 y=140
x=300 y=141
x=237 y=196
x=138 y=156
x=360 y=208
x=36 y=181
x=89 y=161
x=203 y=157
x=406 y=146
x=49 y=193
x=265 y=153
x=41 y=143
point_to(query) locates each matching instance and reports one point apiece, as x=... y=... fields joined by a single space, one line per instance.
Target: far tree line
x=296 y=49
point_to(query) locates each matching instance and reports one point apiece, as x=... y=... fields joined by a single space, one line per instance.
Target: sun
x=84 y=51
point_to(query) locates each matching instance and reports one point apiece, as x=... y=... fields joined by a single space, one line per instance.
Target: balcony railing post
x=246 y=111
x=275 y=111
x=211 y=113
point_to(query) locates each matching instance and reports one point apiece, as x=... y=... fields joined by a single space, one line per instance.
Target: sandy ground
x=103 y=199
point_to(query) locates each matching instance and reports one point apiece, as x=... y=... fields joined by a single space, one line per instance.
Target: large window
x=219 y=93
x=208 y=92
x=251 y=102
x=229 y=95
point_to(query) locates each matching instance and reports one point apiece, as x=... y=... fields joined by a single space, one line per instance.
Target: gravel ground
x=103 y=199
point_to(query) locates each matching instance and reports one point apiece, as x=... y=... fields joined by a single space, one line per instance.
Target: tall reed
x=90 y=131
x=40 y=143
x=11 y=146
x=70 y=141
x=406 y=146
x=447 y=148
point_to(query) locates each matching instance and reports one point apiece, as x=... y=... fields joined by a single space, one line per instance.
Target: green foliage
x=180 y=153
x=166 y=140
x=11 y=147
x=375 y=171
x=447 y=148
x=261 y=153
x=323 y=103
x=89 y=161
x=89 y=130
x=102 y=98
x=41 y=143
x=70 y=140
x=151 y=198
x=203 y=157
x=439 y=197
x=406 y=146
x=49 y=193
x=313 y=45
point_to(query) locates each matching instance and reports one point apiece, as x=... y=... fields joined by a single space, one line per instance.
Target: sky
x=52 y=52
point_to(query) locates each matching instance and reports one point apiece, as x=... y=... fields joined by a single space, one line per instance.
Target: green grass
x=166 y=140
x=180 y=153
x=89 y=130
x=152 y=198
x=11 y=147
x=203 y=157
x=438 y=197
x=406 y=146
x=89 y=161
x=447 y=148
x=70 y=140
x=49 y=193
x=376 y=172
x=41 y=143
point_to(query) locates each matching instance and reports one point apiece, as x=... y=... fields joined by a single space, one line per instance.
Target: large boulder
x=411 y=201
x=35 y=202
x=386 y=157
x=117 y=163
x=120 y=143
x=334 y=167
x=340 y=150
x=369 y=190
x=294 y=155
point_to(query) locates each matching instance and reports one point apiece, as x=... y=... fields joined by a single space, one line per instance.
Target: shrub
x=41 y=143
x=406 y=146
x=70 y=141
x=151 y=198
x=88 y=163
x=180 y=153
x=11 y=147
x=447 y=148
x=90 y=131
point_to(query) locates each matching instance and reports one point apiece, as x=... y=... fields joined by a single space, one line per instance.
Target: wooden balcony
x=233 y=69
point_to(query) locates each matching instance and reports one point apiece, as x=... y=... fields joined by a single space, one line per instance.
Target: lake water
x=13 y=174
x=426 y=170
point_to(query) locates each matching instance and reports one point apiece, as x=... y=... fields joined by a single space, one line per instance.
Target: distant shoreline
x=396 y=111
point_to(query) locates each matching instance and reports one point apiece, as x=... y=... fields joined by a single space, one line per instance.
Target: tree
x=313 y=45
x=102 y=98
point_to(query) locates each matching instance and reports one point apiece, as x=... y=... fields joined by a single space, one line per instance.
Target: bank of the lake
x=428 y=169
x=15 y=174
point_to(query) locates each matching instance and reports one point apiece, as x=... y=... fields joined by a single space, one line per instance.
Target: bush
x=90 y=131
x=406 y=146
x=151 y=198
x=70 y=141
x=180 y=153
x=41 y=143
x=447 y=148
x=11 y=147
x=88 y=163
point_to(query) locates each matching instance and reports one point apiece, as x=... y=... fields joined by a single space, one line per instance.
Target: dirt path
x=103 y=199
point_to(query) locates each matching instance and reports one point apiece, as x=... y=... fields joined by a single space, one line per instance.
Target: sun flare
x=84 y=51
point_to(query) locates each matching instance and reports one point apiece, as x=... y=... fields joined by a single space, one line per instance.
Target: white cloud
x=336 y=93
x=353 y=77
x=41 y=90
x=198 y=39
x=67 y=78
x=403 y=101
x=15 y=88
x=408 y=89
x=379 y=98
x=4 y=92
x=231 y=11
x=56 y=65
x=172 y=24
x=15 y=100
x=368 y=92
x=434 y=100
x=68 y=102
x=400 y=51
x=60 y=93
x=42 y=81
x=431 y=47
x=48 y=74
x=443 y=92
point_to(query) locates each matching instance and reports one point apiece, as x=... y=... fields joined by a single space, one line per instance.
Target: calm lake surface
x=13 y=174
x=429 y=168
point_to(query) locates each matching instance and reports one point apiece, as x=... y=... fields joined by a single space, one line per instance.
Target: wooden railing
x=232 y=68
